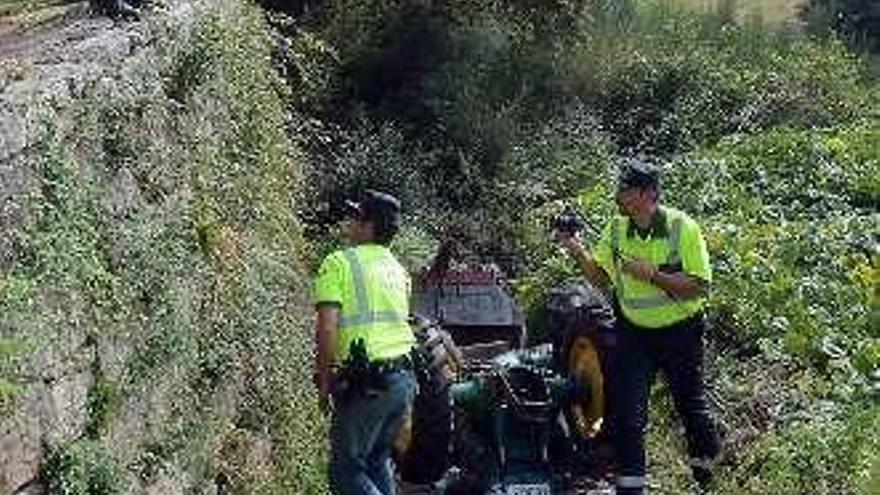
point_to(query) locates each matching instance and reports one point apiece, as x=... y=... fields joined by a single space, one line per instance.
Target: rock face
x=149 y=262
x=20 y=448
x=39 y=71
x=46 y=67
x=51 y=407
x=149 y=259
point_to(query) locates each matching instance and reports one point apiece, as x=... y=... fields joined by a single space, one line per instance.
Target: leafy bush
x=671 y=80
x=8 y=393
x=856 y=21
x=83 y=467
x=102 y=406
x=786 y=216
x=483 y=109
x=832 y=452
x=10 y=352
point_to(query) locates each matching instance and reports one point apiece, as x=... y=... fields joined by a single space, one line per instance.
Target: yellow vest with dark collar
x=673 y=243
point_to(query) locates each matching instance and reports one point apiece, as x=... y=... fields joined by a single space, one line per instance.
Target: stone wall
x=48 y=70
x=98 y=386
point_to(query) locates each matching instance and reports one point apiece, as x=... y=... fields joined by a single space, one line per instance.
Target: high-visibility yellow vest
x=674 y=244
x=372 y=289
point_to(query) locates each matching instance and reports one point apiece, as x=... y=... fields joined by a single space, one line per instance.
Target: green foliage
x=311 y=67
x=8 y=393
x=786 y=175
x=371 y=155
x=184 y=441
x=16 y=306
x=62 y=255
x=415 y=248
x=475 y=113
x=792 y=226
x=83 y=467
x=162 y=243
x=102 y=406
x=672 y=80
x=156 y=459
x=832 y=451
x=856 y=21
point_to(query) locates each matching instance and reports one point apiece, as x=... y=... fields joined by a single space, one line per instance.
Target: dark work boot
x=629 y=491
x=704 y=478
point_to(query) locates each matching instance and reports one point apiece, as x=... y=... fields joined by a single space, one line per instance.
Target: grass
x=772 y=11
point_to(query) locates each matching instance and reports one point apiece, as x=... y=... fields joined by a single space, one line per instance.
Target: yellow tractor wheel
x=585 y=366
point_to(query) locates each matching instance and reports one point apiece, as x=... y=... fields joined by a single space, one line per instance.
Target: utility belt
x=695 y=321
x=368 y=378
x=403 y=362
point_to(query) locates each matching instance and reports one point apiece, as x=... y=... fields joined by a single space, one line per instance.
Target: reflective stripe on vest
x=674 y=257
x=674 y=242
x=630 y=481
x=363 y=314
x=615 y=257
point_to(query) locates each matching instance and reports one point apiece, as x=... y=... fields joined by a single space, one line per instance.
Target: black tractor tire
x=427 y=458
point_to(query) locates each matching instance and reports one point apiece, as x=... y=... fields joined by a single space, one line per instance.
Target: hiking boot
x=704 y=478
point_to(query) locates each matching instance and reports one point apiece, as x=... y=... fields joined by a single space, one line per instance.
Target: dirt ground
x=29 y=33
x=772 y=11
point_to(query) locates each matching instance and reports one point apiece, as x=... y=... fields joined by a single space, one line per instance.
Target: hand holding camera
x=568 y=222
x=568 y=226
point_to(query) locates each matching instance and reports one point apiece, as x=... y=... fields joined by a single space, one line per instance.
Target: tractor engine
x=493 y=416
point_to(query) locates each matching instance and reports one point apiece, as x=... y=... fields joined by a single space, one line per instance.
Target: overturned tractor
x=494 y=415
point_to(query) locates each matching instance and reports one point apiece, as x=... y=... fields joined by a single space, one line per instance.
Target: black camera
x=568 y=222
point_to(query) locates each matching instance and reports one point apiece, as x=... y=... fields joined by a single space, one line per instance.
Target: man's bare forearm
x=678 y=285
x=325 y=340
x=591 y=270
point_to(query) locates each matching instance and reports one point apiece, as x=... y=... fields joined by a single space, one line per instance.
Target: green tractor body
x=501 y=418
x=510 y=430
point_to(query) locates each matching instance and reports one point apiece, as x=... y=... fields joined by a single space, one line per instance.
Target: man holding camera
x=655 y=259
x=363 y=346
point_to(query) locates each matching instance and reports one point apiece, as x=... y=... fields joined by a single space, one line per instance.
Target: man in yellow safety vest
x=655 y=259
x=363 y=346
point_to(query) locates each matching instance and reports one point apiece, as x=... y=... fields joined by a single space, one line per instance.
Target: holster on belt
x=358 y=376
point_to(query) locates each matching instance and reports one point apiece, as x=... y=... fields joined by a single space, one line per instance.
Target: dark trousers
x=677 y=352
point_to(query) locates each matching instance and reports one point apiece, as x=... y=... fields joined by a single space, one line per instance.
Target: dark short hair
x=638 y=173
x=382 y=210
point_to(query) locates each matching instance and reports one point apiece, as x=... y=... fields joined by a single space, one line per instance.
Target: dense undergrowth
x=489 y=117
x=165 y=225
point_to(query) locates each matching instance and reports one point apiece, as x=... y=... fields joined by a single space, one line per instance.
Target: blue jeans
x=362 y=434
